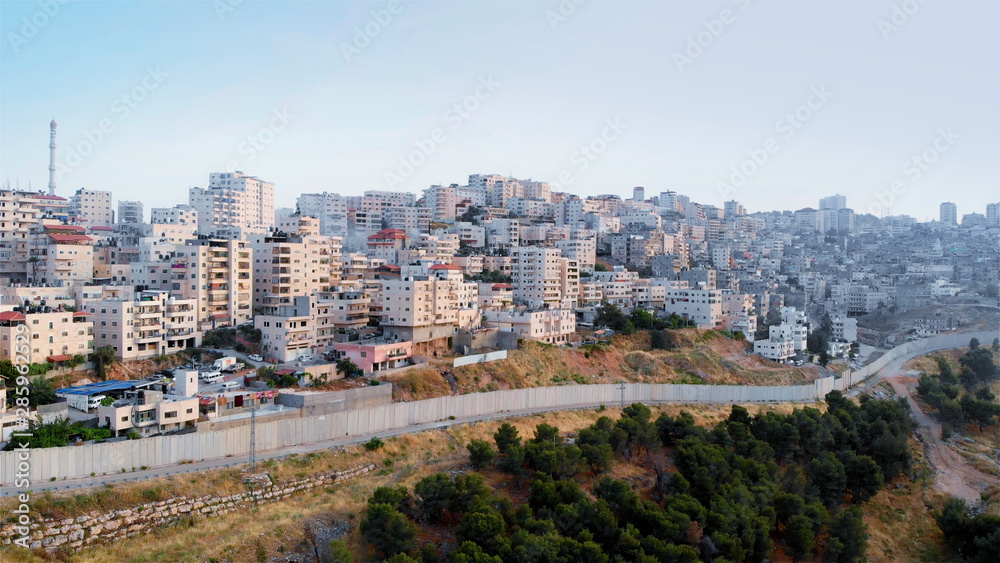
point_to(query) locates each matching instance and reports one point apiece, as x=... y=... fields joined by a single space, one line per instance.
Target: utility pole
x=253 y=437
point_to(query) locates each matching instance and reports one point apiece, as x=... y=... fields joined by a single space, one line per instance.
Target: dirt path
x=952 y=474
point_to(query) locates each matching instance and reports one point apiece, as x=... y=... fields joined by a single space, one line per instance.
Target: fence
x=73 y=462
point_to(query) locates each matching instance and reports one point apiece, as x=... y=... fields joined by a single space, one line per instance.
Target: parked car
x=235 y=367
x=256 y=357
x=305 y=357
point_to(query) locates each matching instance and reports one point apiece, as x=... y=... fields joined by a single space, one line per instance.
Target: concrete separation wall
x=480 y=358
x=81 y=461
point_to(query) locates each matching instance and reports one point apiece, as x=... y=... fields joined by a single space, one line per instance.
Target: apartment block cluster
x=383 y=276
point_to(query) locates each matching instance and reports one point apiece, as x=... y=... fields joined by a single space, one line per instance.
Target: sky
x=774 y=103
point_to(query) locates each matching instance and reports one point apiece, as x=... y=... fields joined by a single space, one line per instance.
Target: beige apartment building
x=543 y=277
x=60 y=255
x=429 y=307
x=233 y=205
x=153 y=323
x=291 y=265
x=55 y=336
x=19 y=211
x=308 y=325
x=219 y=276
x=92 y=208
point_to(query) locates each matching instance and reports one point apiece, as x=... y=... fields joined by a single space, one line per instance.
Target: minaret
x=52 y=157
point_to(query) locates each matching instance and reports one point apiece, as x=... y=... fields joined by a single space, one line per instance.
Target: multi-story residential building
x=583 y=250
x=776 y=350
x=233 y=205
x=288 y=265
x=92 y=208
x=992 y=214
x=150 y=324
x=60 y=254
x=130 y=212
x=309 y=323
x=331 y=209
x=703 y=307
x=218 y=274
x=423 y=307
x=844 y=329
x=53 y=336
x=19 y=212
x=495 y=296
x=833 y=202
x=386 y=244
x=949 y=213
x=555 y=326
x=544 y=278
x=441 y=202
x=409 y=219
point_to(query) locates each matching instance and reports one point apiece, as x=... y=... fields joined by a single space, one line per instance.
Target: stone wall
x=96 y=527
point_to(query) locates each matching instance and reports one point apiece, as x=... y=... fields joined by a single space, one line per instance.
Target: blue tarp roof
x=99 y=387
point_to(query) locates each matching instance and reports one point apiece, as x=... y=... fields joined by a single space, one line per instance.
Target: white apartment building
x=330 y=209
x=776 y=350
x=233 y=204
x=555 y=326
x=92 y=208
x=583 y=250
x=151 y=324
x=544 y=278
x=844 y=329
x=309 y=323
x=149 y=413
x=130 y=212
x=441 y=202
x=703 y=307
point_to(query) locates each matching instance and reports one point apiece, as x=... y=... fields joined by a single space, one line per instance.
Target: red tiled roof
x=51 y=197
x=81 y=314
x=445 y=267
x=11 y=316
x=60 y=358
x=70 y=238
x=502 y=286
x=75 y=228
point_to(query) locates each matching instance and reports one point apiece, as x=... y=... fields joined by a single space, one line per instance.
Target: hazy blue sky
x=215 y=76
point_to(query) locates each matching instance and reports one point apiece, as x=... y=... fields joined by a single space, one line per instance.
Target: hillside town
x=385 y=280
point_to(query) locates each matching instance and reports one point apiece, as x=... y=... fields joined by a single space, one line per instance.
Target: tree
x=435 y=494
x=506 y=437
x=387 y=530
x=471 y=552
x=486 y=528
x=848 y=537
x=824 y=358
x=481 y=453
x=349 y=368
x=339 y=552
x=827 y=479
x=800 y=537
x=41 y=391
x=103 y=358
x=610 y=316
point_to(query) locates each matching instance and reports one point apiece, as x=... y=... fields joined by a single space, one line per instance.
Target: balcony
x=147 y=337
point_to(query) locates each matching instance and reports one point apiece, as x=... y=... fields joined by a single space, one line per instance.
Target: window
x=171 y=414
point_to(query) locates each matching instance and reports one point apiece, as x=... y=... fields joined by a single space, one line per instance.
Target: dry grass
x=278 y=527
x=699 y=357
x=419 y=383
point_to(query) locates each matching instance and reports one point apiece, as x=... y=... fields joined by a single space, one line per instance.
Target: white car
x=256 y=357
x=305 y=357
